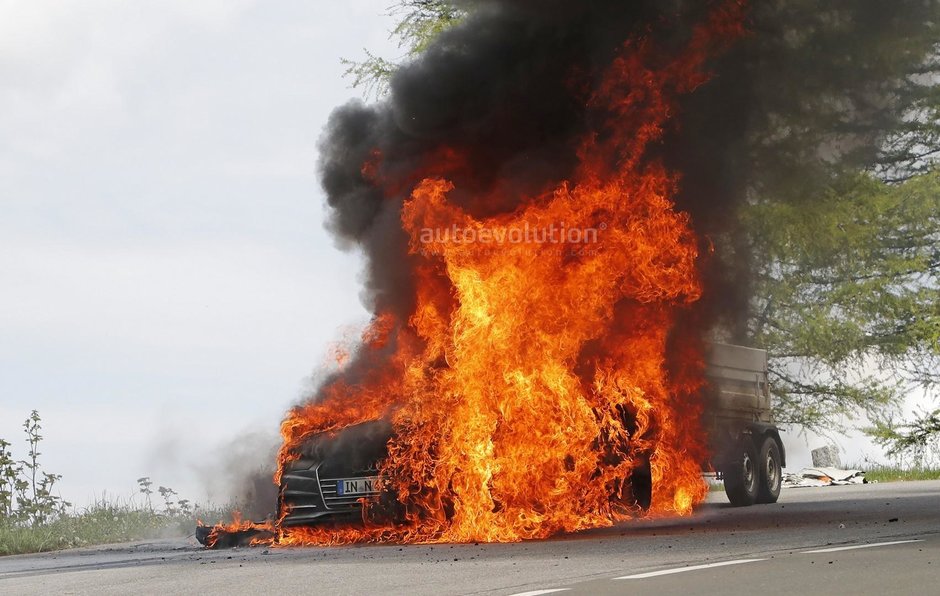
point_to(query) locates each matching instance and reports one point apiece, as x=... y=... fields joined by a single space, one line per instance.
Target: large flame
x=545 y=361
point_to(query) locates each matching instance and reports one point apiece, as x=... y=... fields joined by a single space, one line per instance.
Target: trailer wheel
x=742 y=477
x=771 y=474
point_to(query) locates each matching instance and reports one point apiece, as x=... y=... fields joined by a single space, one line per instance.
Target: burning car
x=535 y=346
x=336 y=472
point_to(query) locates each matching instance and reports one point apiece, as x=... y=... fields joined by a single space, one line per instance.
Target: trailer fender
x=760 y=430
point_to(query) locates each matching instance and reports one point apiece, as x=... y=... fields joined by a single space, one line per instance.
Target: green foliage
x=839 y=232
x=106 y=521
x=169 y=506
x=422 y=21
x=885 y=473
x=371 y=75
x=34 y=519
x=836 y=89
x=9 y=472
x=846 y=287
x=919 y=439
x=419 y=23
x=26 y=490
x=143 y=487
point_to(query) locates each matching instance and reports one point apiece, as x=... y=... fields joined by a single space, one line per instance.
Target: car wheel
x=641 y=485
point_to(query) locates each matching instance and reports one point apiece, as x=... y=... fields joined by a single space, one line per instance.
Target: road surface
x=806 y=543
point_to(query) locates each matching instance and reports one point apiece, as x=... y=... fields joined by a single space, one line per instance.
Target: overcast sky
x=165 y=278
x=166 y=283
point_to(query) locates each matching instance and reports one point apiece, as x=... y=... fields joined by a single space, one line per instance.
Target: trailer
x=747 y=453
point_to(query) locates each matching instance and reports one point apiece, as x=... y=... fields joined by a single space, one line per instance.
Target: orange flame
x=545 y=361
x=265 y=530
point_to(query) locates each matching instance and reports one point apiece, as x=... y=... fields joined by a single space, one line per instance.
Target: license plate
x=357 y=486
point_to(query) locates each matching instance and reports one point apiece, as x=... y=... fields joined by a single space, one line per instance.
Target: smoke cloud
x=501 y=99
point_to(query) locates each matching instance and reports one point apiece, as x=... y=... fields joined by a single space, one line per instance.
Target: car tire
x=641 y=485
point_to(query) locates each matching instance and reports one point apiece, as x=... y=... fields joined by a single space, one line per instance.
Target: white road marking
x=838 y=548
x=721 y=564
x=684 y=569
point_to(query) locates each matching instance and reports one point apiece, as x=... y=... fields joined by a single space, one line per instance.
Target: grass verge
x=883 y=473
x=102 y=523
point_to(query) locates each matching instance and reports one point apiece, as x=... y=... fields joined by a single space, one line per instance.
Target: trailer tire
x=771 y=472
x=742 y=476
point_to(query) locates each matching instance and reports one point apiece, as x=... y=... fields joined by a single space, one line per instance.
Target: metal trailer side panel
x=737 y=400
x=737 y=385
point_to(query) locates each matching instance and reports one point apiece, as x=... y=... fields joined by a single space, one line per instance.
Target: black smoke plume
x=814 y=87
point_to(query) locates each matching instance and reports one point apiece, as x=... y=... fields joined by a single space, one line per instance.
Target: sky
x=166 y=282
x=167 y=287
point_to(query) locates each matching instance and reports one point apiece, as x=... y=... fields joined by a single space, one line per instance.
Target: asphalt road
x=765 y=549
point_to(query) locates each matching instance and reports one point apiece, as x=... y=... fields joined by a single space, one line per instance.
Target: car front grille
x=312 y=499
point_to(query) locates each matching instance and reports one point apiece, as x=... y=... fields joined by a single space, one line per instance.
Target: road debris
x=826 y=457
x=823 y=476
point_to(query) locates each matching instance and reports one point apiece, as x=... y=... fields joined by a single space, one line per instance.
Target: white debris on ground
x=823 y=476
